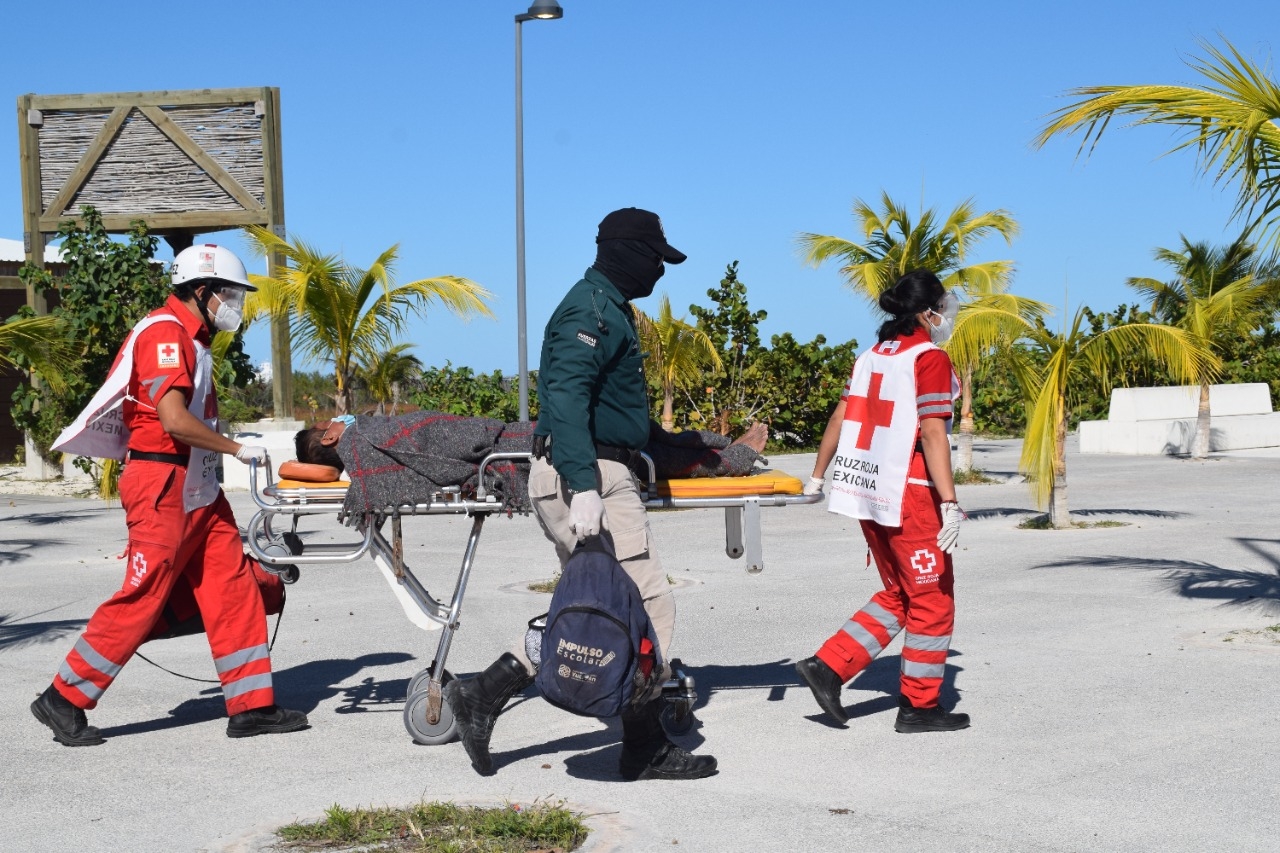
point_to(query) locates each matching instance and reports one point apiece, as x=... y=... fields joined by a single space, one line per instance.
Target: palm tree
x=384 y=373
x=339 y=313
x=39 y=344
x=1232 y=123
x=1068 y=358
x=1215 y=294
x=988 y=324
x=895 y=245
x=678 y=353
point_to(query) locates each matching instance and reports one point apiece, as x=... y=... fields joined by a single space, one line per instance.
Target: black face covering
x=632 y=266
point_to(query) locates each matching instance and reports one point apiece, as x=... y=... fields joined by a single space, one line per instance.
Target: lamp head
x=545 y=10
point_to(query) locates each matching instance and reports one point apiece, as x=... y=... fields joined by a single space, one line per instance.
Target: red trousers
x=918 y=595
x=167 y=542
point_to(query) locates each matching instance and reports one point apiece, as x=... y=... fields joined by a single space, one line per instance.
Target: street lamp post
x=543 y=10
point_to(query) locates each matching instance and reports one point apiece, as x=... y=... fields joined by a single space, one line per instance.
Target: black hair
x=307 y=446
x=918 y=290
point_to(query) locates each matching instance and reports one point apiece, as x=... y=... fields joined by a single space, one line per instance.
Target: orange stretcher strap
x=765 y=483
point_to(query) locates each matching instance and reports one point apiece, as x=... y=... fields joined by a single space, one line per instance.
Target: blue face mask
x=344 y=419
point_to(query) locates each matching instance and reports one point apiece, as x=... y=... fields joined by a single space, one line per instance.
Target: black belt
x=625 y=455
x=171 y=458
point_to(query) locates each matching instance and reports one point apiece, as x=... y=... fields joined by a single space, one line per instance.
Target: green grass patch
x=439 y=827
x=971 y=477
x=545 y=586
x=1041 y=522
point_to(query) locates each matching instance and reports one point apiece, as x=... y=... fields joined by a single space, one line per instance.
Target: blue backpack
x=598 y=650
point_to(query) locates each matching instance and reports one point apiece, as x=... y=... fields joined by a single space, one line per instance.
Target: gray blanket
x=412 y=458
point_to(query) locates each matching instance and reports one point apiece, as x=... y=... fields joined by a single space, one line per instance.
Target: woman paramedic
x=889 y=438
x=159 y=404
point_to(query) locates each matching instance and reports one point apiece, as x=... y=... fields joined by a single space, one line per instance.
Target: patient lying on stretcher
x=408 y=457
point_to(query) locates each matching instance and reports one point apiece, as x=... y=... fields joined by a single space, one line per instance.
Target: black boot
x=648 y=754
x=477 y=702
x=912 y=720
x=265 y=721
x=825 y=684
x=69 y=723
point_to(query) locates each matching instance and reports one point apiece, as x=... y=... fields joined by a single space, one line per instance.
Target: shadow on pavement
x=16 y=633
x=17 y=550
x=46 y=519
x=1010 y=511
x=301 y=687
x=1243 y=588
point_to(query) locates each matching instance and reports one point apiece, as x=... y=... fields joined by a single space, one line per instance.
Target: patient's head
x=309 y=447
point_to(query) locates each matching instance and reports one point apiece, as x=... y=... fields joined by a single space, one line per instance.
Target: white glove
x=814 y=486
x=585 y=511
x=949 y=535
x=252 y=453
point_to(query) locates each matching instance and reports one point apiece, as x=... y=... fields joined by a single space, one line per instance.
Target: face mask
x=945 y=311
x=231 y=310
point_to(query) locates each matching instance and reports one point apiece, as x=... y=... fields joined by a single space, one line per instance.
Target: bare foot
x=755 y=437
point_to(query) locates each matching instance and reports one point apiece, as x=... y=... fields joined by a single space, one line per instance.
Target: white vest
x=100 y=431
x=878 y=436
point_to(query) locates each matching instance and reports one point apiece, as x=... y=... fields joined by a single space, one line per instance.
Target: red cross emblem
x=870 y=412
x=923 y=561
x=167 y=350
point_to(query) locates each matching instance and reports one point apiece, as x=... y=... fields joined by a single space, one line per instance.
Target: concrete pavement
x=1121 y=682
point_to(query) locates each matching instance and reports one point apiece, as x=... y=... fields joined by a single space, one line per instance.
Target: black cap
x=632 y=223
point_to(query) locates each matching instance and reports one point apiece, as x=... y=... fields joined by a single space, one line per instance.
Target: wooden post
x=33 y=245
x=281 y=345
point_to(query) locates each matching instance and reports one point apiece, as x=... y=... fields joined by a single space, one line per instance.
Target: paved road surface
x=1122 y=689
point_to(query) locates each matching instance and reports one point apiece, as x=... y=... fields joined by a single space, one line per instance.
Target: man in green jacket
x=594 y=420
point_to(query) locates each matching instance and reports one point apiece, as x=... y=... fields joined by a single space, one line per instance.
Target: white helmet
x=208 y=262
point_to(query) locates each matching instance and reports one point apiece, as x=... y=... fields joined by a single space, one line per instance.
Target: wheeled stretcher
x=426 y=716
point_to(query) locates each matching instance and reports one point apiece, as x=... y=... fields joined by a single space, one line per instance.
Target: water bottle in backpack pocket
x=598 y=650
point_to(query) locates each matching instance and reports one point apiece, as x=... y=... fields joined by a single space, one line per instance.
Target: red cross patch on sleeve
x=168 y=355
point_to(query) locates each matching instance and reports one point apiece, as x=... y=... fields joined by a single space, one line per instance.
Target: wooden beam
x=221 y=176
x=163 y=98
x=85 y=167
x=198 y=220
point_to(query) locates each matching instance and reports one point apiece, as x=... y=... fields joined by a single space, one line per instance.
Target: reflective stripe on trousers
x=237 y=677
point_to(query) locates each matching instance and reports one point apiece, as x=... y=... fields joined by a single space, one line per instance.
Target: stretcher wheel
x=289 y=574
x=677 y=717
x=419 y=681
x=415 y=717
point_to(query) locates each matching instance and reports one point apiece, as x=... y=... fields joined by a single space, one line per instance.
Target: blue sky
x=742 y=124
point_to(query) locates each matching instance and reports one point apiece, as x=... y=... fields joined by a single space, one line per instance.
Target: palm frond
x=1231 y=124
x=45 y=344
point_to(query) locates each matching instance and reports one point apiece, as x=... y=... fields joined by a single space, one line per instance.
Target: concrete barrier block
x=1174 y=436
x=1130 y=405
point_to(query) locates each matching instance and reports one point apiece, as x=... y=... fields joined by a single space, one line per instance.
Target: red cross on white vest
x=870 y=412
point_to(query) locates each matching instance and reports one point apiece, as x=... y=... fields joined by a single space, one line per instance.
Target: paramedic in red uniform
x=179 y=521
x=914 y=559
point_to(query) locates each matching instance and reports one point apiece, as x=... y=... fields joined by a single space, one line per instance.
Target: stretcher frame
x=427 y=718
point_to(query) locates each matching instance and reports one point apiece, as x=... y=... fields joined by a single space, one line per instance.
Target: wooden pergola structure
x=184 y=162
